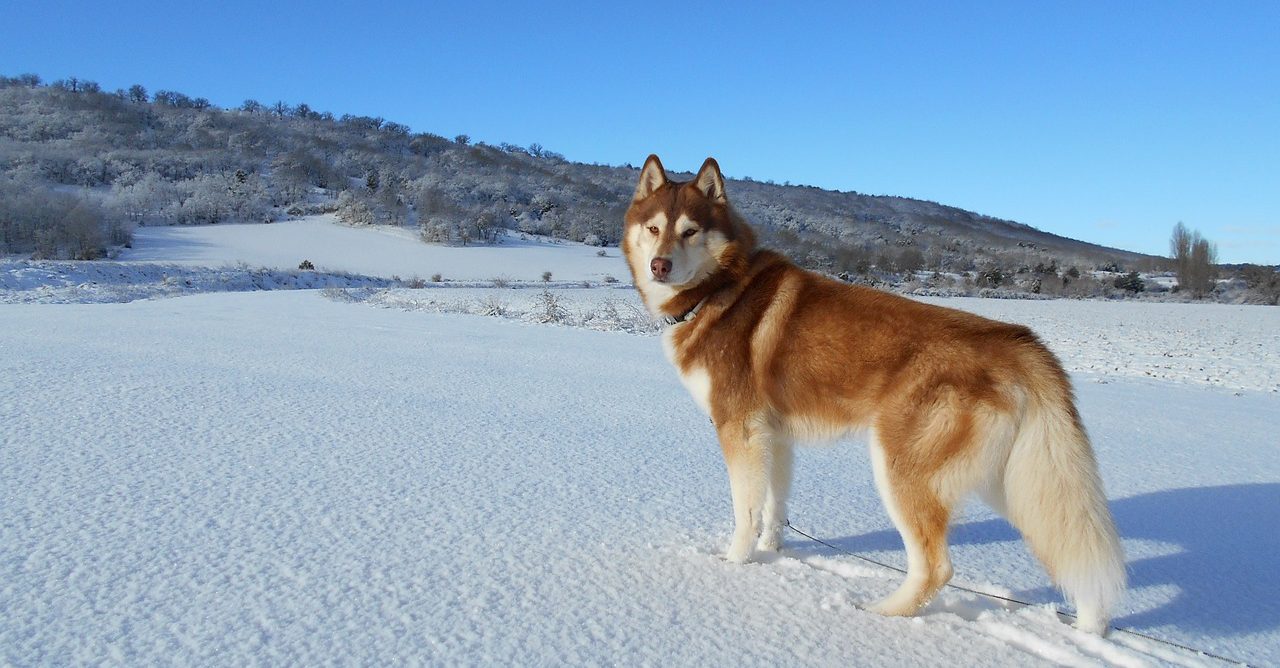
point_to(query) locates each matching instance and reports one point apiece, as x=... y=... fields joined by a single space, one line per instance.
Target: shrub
x=910 y=260
x=1262 y=284
x=549 y=308
x=492 y=306
x=306 y=265
x=991 y=277
x=1131 y=282
x=436 y=278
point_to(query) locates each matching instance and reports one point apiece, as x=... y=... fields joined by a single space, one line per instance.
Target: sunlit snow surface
x=306 y=478
x=376 y=251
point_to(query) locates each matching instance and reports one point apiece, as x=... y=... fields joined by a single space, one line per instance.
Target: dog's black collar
x=670 y=320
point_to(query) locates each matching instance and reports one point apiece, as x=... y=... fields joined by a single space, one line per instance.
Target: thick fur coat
x=953 y=403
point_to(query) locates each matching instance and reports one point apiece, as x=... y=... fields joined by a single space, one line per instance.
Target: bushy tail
x=1054 y=496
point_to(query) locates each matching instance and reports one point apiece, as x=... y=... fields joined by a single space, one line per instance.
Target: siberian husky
x=953 y=403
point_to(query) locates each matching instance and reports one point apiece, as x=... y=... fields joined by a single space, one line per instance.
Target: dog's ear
x=652 y=177
x=710 y=182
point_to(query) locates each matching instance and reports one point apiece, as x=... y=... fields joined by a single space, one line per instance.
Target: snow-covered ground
x=373 y=476
x=175 y=261
x=371 y=251
x=281 y=477
x=1225 y=346
x=1228 y=346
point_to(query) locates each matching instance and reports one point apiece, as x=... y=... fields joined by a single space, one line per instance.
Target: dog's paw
x=1092 y=622
x=770 y=540
x=894 y=605
x=739 y=552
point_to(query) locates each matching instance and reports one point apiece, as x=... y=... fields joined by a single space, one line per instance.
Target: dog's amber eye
x=689 y=232
x=653 y=230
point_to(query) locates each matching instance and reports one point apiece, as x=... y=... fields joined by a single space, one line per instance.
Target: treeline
x=53 y=224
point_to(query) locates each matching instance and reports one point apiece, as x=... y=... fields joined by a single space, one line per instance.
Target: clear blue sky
x=1106 y=121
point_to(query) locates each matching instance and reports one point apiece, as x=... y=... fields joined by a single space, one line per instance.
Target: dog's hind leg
x=775 y=499
x=746 y=455
x=921 y=518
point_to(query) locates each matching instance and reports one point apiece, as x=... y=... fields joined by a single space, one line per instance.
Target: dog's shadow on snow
x=1223 y=565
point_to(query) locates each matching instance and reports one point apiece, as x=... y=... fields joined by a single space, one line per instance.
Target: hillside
x=75 y=159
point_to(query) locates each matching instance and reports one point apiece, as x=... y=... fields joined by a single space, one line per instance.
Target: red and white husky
x=954 y=403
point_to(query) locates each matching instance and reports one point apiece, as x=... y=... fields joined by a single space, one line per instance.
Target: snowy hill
x=170 y=158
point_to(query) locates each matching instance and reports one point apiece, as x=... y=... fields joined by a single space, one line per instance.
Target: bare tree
x=1194 y=259
x=910 y=260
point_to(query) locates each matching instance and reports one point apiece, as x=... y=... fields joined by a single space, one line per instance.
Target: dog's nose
x=660 y=266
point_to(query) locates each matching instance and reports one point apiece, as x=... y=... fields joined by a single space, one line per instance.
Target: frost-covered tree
x=353 y=209
x=435 y=230
x=52 y=224
x=143 y=202
x=220 y=197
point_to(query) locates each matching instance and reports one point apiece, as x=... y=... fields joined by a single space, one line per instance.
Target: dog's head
x=678 y=234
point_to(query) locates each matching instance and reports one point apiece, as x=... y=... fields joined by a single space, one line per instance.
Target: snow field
x=1232 y=347
x=277 y=477
x=296 y=477
x=373 y=251
x=1229 y=347
x=103 y=282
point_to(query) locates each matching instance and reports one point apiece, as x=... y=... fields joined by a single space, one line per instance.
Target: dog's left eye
x=653 y=230
x=689 y=232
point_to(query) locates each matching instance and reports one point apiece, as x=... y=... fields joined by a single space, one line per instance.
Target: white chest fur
x=696 y=379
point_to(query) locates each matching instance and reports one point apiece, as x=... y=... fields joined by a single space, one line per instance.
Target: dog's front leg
x=774 y=516
x=746 y=457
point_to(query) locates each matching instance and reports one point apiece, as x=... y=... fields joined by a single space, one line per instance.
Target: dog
x=953 y=403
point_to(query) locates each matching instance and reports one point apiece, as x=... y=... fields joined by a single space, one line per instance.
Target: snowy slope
x=372 y=251
x=277 y=477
